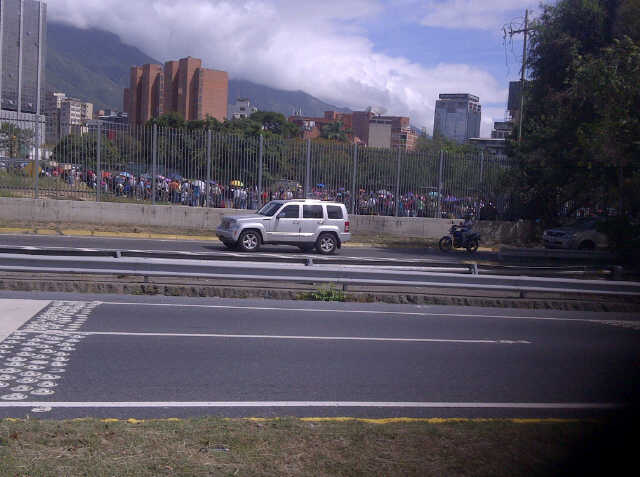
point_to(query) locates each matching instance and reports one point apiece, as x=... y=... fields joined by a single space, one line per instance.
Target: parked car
x=304 y=223
x=581 y=235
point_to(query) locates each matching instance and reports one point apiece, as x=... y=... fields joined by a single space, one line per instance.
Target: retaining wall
x=196 y=218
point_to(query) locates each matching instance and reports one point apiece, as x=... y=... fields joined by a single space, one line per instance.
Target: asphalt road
x=208 y=247
x=123 y=356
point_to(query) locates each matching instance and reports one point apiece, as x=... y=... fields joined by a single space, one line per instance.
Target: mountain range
x=93 y=65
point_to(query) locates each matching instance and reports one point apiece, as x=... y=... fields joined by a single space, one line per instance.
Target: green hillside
x=93 y=65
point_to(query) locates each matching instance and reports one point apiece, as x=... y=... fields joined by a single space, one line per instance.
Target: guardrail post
x=307 y=180
x=207 y=188
x=36 y=163
x=439 y=211
x=353 y=184
x=481 y=190
x=154 y=163
x=98 y=162
x=260 y=165
x=398 y=185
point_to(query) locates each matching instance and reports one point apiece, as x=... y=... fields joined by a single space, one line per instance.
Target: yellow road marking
x=393 y=420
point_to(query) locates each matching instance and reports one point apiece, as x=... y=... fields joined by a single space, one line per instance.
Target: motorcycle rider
x=465 y=229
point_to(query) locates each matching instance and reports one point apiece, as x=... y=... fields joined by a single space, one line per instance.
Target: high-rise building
x=144 y=99
x=183 y=87
x=457 y=117
x=23 y=42
x=65 y=116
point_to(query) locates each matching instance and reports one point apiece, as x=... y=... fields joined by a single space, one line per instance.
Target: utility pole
x=525 y=31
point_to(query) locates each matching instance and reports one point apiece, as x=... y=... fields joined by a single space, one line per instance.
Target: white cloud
x=473 y=14
x=318 y=47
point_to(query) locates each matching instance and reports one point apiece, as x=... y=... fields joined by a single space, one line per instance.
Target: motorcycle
x=456 y=239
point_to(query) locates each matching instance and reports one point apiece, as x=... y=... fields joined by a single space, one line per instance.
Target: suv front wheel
x=326 y=244
x=249 y=241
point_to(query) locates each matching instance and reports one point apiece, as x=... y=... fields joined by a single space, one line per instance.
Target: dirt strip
x=168 y=286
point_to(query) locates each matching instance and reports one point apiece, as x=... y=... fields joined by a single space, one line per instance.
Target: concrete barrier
x=80 y=213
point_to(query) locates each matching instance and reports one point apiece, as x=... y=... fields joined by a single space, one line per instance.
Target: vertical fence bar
x=481 y=186
x=98 y=162
x=36 y=163
x=260 y=167
x=207 y=187
x=353 y=183
x=397 y=212
x=307 y=183
x=439 y=211
x=154 y=163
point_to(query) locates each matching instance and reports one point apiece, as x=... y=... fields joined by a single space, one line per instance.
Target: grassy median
x=296 y=447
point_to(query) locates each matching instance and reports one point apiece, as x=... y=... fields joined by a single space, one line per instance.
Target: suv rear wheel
x=326 y=244
x=249 y=241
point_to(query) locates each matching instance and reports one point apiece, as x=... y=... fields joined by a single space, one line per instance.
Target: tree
x=82 y=149
x=275 y=123
x=260 y=123
x=608 y=84
x=336 y=131
x=15 y=141
x=573 y=154
x=440 y=143
x=168 y=120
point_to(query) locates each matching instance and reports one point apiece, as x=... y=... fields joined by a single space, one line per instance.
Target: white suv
x=304 y=223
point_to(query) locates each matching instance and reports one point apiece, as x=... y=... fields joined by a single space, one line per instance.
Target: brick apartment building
x=312 y=127
x=183 y=87
x=366 y=128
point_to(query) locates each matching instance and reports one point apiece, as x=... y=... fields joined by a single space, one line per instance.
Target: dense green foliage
x=581 y=129
x=336 y=131
x=262 y=122
x=440 y=143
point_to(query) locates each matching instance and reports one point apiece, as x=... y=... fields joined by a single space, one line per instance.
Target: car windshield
x=270 y=209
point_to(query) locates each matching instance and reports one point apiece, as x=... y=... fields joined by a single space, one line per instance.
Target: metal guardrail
x=443 y=266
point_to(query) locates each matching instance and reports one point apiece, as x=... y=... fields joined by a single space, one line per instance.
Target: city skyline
x=355 y=54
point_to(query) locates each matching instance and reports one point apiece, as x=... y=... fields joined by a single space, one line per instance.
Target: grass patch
x=326 y=293
x=291 y=447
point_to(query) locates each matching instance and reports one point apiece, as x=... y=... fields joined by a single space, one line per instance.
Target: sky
x=393 y=55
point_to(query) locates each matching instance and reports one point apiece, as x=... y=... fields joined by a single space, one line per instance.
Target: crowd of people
x=237 y=195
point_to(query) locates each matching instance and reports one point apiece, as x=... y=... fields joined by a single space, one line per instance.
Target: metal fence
x=202 y=168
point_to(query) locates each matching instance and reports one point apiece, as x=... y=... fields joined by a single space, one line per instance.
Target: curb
x=207 y=288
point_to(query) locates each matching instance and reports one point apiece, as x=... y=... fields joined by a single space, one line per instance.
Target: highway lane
x=247 y=270
x=127 y=356
x=216 y=247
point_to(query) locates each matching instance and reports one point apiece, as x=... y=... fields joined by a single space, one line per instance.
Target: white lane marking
x=15 y=313
x=264 y=404
x=372 y=312
x=286 y=337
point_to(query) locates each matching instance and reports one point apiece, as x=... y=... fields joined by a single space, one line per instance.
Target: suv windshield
x=270 y=209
